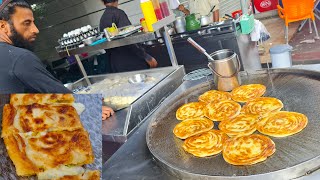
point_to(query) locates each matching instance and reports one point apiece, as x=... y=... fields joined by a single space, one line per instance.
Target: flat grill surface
x=299 y=92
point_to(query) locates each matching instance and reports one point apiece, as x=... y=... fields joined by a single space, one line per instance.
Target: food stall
x=141 y=130
x=135 y=95
x=153 y=151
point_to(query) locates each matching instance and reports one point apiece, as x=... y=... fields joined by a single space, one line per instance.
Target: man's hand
x=106 y=112
x=215 y=16
x=152 y=63
x=183 y=9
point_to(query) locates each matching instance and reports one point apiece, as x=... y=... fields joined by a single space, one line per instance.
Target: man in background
x=21 y=71
x=202 y=8
x=125 y=58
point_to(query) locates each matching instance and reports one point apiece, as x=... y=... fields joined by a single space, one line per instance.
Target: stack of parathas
x=239 y=123
x=44 y=136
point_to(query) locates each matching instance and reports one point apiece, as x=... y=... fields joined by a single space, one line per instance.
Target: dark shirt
x=21 y=71
x=125 y=58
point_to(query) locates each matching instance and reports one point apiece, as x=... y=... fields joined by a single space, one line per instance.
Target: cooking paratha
x=282 y=124
x=191 y=127
x=248 y=150
x=205 y=144
x=190 y=110
x=214 y=96
x=222 y=111
x=248 y=92
x=262 y=106
x=241 y=125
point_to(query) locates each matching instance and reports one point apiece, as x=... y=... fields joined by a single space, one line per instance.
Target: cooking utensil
x=180 y=24
x=205 y=20
x=192 y=23
x=294 y=157
x=229 y=16
x=211 y=10
x=137 y=78
x=201 y=49
x=226 y=68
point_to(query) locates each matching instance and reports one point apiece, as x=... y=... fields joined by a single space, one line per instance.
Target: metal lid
x=280 y=49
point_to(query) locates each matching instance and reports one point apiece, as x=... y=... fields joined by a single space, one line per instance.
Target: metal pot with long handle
x=205 y=19
x=225 y=65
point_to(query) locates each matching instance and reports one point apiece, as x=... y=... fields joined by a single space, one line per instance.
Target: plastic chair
x=296 y=10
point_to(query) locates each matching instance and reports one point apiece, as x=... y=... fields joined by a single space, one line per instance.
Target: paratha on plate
x=32 y=153
x=39 y=118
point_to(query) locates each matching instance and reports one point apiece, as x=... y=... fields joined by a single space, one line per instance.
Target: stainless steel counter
x=120 y=126
x=134 y=160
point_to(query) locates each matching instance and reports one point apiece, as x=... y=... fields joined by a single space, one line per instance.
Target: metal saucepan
x=180 y=25
x=205 y=19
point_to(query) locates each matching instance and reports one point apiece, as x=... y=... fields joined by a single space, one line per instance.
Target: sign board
x=265 y=5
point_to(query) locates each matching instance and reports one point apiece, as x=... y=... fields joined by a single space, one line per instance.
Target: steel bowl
x=138 y=78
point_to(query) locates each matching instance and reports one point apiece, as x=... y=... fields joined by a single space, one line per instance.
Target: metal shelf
x=134 y=39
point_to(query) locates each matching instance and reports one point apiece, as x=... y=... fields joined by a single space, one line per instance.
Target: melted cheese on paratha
x=38 y=118
x=28 y=99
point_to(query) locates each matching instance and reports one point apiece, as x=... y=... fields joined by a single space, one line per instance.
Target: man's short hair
x=109 y=1
x=10 y=9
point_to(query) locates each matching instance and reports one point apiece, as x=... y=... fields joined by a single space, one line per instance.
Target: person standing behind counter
x=125 y=58
x=200 y=8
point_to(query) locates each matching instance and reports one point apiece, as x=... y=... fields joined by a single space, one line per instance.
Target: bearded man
x=21 y=71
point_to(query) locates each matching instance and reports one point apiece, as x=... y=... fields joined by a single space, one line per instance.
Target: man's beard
x=18 y=40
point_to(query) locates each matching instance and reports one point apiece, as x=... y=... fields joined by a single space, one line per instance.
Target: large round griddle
x=295 y=155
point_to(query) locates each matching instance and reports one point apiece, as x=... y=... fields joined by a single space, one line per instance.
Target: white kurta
x=203 y=7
